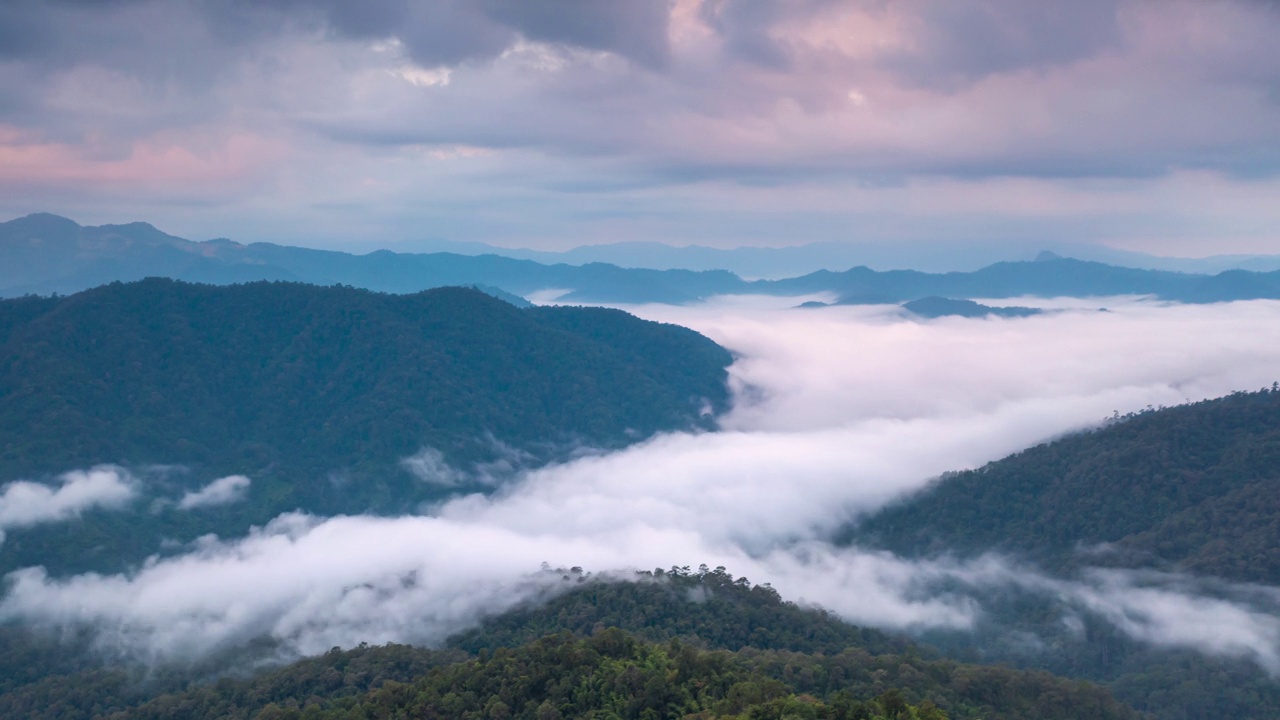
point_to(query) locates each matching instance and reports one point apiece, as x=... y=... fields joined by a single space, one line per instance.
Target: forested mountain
x=1194 y=487
x=44 y=253
x=671 y=644
x=318 y=394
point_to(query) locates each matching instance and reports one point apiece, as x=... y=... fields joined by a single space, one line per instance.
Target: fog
x=837 y=412
x=223 y=491
x=24 y=503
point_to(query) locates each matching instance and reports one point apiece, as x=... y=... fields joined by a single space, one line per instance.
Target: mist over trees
x=322 y=397
x=1193 y=488
x=673 y=643
x=1188 y=491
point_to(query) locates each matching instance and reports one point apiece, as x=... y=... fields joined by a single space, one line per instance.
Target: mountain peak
x=44 y=222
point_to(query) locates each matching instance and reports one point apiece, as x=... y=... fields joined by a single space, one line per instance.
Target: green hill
x=1194 y=487
x=706 y=607
x=318 y=393
x=749 y=656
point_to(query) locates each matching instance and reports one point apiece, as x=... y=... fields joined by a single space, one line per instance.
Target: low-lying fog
x=838 y=411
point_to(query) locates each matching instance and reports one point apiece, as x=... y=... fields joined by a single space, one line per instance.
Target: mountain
x=1052 y=277
x=42 y=254
x=319 y=394
x=667 y=644
x=1191 y=488
x=773 y=263
x=936 y=307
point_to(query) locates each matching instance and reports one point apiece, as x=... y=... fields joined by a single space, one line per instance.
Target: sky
x=837 y=412
x=1149 y=125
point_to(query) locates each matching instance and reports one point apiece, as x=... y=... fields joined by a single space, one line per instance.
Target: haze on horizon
x=1143 y=125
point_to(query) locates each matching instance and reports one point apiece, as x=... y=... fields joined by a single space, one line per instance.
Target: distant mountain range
x=42 y=254
x=45 y=253
x=323 y=396
x=774 y=263
x=1048 y=276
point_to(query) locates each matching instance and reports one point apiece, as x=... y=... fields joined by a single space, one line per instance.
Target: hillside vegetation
x=319 y=393
x=1194 y=487
x=686 y=644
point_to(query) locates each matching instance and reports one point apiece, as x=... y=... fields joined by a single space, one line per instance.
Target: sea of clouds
x=838 y=411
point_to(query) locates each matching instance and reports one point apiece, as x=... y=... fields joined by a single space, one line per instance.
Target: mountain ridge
x=319 y=395
x=1152 y=485
x=56 y=255
x=663 y=644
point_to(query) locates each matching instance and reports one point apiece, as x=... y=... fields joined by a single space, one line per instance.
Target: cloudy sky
x=1150 y=125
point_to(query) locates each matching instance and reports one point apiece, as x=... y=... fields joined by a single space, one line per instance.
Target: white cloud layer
x=24 y=503
x=223 y=491
x=840 y=410
x=429 y=466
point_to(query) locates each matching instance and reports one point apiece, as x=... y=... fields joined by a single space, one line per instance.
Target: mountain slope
x=318 y=394
x=683 y=660
x=1194 y=487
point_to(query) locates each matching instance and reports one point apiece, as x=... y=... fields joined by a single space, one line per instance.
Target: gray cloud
x=437 y=32
x=745 y=26
x=223 y=491
x=840 y=410
x=632 y=29
x=562 y=123
x=958 y=43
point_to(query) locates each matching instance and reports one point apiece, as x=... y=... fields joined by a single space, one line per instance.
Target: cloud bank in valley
x=839 y=411
x=24 y=503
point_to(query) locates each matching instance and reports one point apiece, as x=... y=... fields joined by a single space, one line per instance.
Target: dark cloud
x=956 y=43
x=148 y=38
x=117 y=70
x=635 y=29
x=22 y=32
x=745 y=26
x=447 y=32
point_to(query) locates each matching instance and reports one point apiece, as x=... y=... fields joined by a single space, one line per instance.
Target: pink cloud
x=157 y=164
